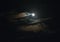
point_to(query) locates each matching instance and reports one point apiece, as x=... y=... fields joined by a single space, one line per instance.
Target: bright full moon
x=33 y=14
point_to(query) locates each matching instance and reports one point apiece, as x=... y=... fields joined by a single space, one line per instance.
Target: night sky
x=44 y=8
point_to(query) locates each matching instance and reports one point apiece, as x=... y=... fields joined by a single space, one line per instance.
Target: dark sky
x=42 y=6
x=45 y=8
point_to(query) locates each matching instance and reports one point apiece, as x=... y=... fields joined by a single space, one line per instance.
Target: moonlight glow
x=33 y=14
